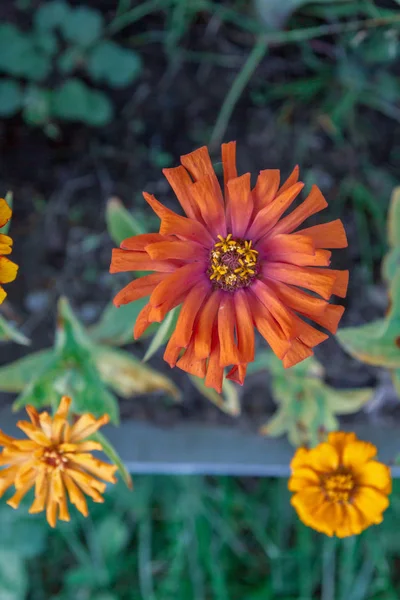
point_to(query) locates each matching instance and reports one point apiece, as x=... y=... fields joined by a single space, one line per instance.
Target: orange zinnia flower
x=339 y=489
x=234 y=264
x=8 y=269
x=56 y=456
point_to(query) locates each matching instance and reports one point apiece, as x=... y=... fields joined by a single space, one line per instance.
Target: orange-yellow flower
x=339 y=489
x=234 y=264
x=55 y=459
x=8 y=269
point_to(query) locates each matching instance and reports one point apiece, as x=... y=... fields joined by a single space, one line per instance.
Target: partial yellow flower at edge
x=8 y=269
x=339 y=489
x=57 y=461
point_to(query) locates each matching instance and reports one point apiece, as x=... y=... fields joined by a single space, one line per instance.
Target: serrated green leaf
x=109 y=63
x=11 y=96
x=228 y=401
x=9 y=333
x=163 y=334
x=128 y=376
x=82 y=25
x=121 y=224
x=114 y=457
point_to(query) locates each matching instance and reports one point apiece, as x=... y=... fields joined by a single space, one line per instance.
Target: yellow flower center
x=338 y=487
x=233 y=263
x=54 y=458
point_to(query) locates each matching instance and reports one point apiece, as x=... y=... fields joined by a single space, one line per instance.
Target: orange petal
x=315 y=202
x=327 y=235
x=330 y=317
x=237 y=374
x=5 y=212
x=185 y=228
x=307 y=334
x=142 y=321
x=139 y=242
x=191 y=364
x=226 y=331
x=75 y=495
x=210 y=205
x=240 y=204
x=291 y=180
x=172 y=351
x=268 y=327
x=266 y=188
x=205 y=324
x=183 y=250
x=321 y=258
x=126 y=260
x=228 y=152
x=199 y=165
x=215 y=372
x=341 y=281
x=267 y=218
x=277 y=309
x=298 y=352
x=280 y=245
x=306 y=277
x=180 y=181
x=183 y=279
x=298 y=300
x=139 y=288
x=189 y=311
x=244 y=327
x=8 y=270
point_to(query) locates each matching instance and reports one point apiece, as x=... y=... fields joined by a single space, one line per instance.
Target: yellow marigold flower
x=8 y=269
x=339 y=489
x=55 y=459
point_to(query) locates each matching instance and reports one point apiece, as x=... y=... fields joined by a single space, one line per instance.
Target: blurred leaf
x=115 y=327
x=110 y=63
x=22 y=533
x=46 y=41
x=114 y=457
x=70 y=59
x=82 y=25
x=228 y=401
x=306 y=405
x=121 y=224
x=163 y=333
x=128 y=376
x=13 y=576
x=51 y=14
x=15 y=376
x=9 y=333
x=36 y=109
x=74 y=101
x=275 y=13
x=112 y=535
x=11 y=95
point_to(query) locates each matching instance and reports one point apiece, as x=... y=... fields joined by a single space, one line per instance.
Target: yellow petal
x=323 y=458
x=19 y=494
x=371 y=503
x=3 y=294
x=75 y=495
x=300 y=458
x=353 y=522
x=376 y=475
x=303 y=478
x=87 y=425
x=7 y=477
x=339 y=439
x=5 y=244
x=95 y=466
x=52 y=505
x=88 y=484
x=8 y=270
x=5 y=212
x=358 y=453
x=41 y=491
x=33 y=415
x=34 y=434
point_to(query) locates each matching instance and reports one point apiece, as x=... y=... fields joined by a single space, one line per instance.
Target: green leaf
x=70 y=59
x=22 y=533
x=46 y=42
x=163 y=334
x=82 y=25
x=50 y=15
x=275 y=13
x=128 y=376
x=112 y=535
x=74 y=101
x=36 y=109
x=115 y=327
x=228 y=401
x=121 y=224
x=394 y=219
x=11 y=96
x=114 y=457
x=15 y=376
x=110 y=63
x=9 y=333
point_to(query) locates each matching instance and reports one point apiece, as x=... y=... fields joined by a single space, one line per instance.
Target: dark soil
x=61 y=188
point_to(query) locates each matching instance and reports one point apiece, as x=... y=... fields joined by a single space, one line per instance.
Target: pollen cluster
x=338 y=487
x=233 y=263
x=53 y=458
